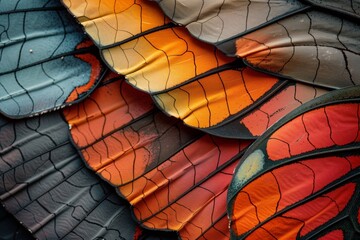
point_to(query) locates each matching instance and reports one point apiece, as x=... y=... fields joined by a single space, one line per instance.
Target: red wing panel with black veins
x=301 y=179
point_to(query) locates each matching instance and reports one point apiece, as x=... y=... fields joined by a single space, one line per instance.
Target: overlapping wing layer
x=301 y=178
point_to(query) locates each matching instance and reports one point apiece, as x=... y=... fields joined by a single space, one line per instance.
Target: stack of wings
x=180 y=119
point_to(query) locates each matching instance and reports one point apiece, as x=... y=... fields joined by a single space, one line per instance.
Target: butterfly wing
x=46 y=62
x=46 y=186
x=301 y=178
x=155 y=162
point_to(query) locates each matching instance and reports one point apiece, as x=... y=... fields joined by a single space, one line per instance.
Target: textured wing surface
x=253 y=122
x=46 y=186
x=301 y=178
x=113 y=22
x=349 y=7
x=222 y=21
x=211 y=100
x=313 y=47
x=46 y=62
x=157 y=164
x=189 y=79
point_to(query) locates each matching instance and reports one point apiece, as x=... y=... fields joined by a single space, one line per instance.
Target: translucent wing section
x=46 y=186
x=303 y=183
x=45 y=60
x=156 y=163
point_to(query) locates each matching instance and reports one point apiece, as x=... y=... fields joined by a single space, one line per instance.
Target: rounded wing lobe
x=155 y=54
x=163 y=59
x=301 y=178
x=189 y=79
x=286 y=212
x=317 y=130
x=156 y=163
x=45 y=61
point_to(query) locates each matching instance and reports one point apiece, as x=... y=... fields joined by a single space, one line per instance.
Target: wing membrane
x=221 y=22
x=45 y=185
x=46 y=62
x=157 y=163
x=281 y=190
x=313 y=47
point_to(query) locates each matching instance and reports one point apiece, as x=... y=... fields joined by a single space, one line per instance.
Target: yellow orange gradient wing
x=187 y=78
x=113 y=21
